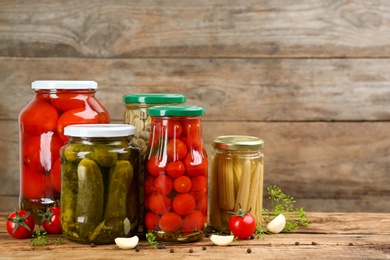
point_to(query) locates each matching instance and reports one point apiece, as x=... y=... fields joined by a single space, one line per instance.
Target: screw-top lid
x=238 y=142
x=99 y=130
x=175 y=111
x=154 y=98
x=64 y=84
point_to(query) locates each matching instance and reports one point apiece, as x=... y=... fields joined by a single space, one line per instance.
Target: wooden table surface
x=328 y=236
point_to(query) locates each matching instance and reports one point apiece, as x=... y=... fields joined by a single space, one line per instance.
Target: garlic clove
x=221 y=240
x=276 y=225
x=127 y=242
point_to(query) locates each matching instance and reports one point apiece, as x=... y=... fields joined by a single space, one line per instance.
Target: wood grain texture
x=309 y=77
x=228 y=89
x=250 y=29
x=315 y=161
x=329 y=236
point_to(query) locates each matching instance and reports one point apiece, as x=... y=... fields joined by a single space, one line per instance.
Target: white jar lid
x=99 y=130
x=64 y=84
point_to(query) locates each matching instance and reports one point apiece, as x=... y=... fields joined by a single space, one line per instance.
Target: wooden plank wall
x=309 y=77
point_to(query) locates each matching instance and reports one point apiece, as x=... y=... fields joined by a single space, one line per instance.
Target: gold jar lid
x=238 y=142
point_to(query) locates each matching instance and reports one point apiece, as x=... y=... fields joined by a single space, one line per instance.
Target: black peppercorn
x=204 y=247
x=171 y=250
x=249 y=250
x=297 y=243
x=191 y=250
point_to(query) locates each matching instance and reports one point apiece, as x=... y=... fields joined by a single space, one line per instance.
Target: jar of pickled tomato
x=237 y=175
x=56 y=104
x=176 y=170
x=100 y=187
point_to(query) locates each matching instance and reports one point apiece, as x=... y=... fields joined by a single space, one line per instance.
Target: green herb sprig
x=151 y=238
x=282 y=204
x=40 y=239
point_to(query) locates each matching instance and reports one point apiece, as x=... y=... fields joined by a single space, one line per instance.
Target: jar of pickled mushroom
x=100 y=183
x=56 y=104
x=236 y=178
x=175 y=184
x=136 y=106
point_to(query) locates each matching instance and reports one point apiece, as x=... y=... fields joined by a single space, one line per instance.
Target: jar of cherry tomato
x=100 y=184
x=236 y=178
x=176 y=170
x=55 y=105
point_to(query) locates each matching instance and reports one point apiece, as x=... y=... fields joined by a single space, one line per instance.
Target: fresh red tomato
x=175 y=169
x=194 y=222
x=20 y=224
x=65 y=100
x=55 y=175
x=158 y=203
x=51 y=220
x=195 y=163
x=76 y=116
x=176 y=149
x=170 y=222
x=182 y=184
x=183 y=204
x=151 y=221
x=156 y=166
x=242 y=224
x=38 y=117
x=163 y=184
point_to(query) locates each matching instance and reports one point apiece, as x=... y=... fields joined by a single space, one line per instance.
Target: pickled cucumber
x=119 y=180
x=103 y=154
x=73 y=152
x=89 y=208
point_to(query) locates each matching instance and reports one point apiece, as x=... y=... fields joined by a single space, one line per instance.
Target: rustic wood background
x=309 y=77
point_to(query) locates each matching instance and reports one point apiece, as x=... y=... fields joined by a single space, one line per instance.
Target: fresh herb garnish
x=151 y=239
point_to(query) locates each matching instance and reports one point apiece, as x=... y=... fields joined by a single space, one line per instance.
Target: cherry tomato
x=163 y=184
x=158 y=203
x=76 y=116
x=55 y=175
x=149 y=185
x=193 y=222
x=20 y=224
x=201 y=203
x=175 y=169
x=199 y=183
x=242 y=224
x=184 y=204
x=65 y=100
x=173 y=127
x=38 y=117
x=195 y=163
x=182 y=184
x=151 y=221
x=176 y=149
x=155 y=166
x=51 y=220
x=170 y=222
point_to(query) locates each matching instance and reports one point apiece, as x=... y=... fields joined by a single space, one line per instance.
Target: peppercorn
x=191 y=250
x=204 y=247
x=171 y=250
x=249 y=250
x=297 y=243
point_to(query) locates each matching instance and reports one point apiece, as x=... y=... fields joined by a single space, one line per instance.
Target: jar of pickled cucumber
x=100 y=183
x=176 y=184
x=236 y=178
x=56 y=104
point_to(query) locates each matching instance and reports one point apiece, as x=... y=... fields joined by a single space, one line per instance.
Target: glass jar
x=100 y=183
x=236 y=178
x=176 y=172
x=136 y=106
x=55 y=105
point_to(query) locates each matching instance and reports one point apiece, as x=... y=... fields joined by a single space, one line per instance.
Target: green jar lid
x=175 y=111
x=154 y=98
x=238 y=142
